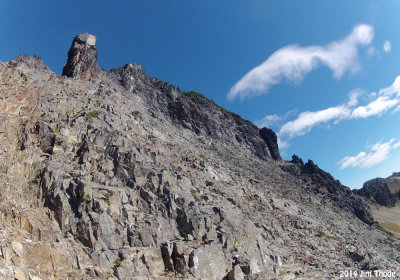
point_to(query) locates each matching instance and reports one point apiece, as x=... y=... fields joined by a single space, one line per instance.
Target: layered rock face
x=127 y=177
x=82 y=58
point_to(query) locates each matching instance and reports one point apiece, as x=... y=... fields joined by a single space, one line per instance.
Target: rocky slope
x=116 y=175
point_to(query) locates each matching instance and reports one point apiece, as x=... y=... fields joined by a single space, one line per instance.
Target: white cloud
x=293 y=62
x=387 y=46
x=395 y=146
x=371 y=51
x=267 y=121
x=375 y=154
x=354 y=96
x=307 y=120
x=374 y=108
x=396 y=110
x=380 y=102
x=282 y=144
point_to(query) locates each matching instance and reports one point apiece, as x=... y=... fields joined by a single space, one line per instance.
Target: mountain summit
x=82 y=58
x=117 y=175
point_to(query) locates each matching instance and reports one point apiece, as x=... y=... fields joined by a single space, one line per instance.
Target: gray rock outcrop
x=127 y=177
x=82 y=58
x=325 y=183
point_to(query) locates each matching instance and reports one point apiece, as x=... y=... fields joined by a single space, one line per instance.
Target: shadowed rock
x=82 y=58
x=271 y=140
x=379 y=190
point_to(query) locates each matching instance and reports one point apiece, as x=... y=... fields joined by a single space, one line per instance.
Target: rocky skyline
x=327 y=71
x=117 y=175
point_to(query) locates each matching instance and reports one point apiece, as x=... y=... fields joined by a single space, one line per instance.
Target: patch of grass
x=195 y=194
x=57 y=131
x=87 y=194
x=117 y=263
x=203 y=157
x=192 y=107
x=91 y=114
x=392 y=239
x=37 y=175
x=323 y=189
x=281 y=273
x=23 y=76
x=248 y=198
x=194 y=93
x=390 y=228
x=107 y=194
x=98 y=102
x=322 y=233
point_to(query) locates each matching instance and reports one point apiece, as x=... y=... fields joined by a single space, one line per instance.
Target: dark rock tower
x=82 y=58
x=270 y=138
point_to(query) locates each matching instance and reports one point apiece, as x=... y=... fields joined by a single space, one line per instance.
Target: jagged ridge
x=146 y=182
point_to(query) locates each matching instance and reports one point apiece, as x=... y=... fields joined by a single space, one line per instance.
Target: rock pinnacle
x=82 y=58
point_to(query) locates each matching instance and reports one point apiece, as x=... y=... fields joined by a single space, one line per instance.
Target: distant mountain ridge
x=384 y=191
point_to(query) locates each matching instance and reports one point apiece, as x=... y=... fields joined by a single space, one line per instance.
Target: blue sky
x=320 y=73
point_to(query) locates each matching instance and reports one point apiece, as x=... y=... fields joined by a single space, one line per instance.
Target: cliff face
x=384 y=191
x=116 y=175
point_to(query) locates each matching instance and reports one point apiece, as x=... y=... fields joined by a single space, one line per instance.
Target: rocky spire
x=271 y=140
x=82 y=58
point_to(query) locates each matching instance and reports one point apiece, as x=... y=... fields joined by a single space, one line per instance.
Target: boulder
x=208 y=263
x=19 y=274
x=236 y=273
x=18 y=248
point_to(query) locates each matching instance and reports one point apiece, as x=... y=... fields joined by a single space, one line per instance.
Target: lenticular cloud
x=293 y=62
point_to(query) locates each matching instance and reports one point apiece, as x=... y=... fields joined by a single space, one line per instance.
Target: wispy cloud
x=387 y=46
x=371 y=51
x=374 y=155
x=374 y=108
x=354 y=97
x=274 y=120
x=307 y=120
x=268 y=121
x=293 y=62
x=379 y=103
x=282 y=144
